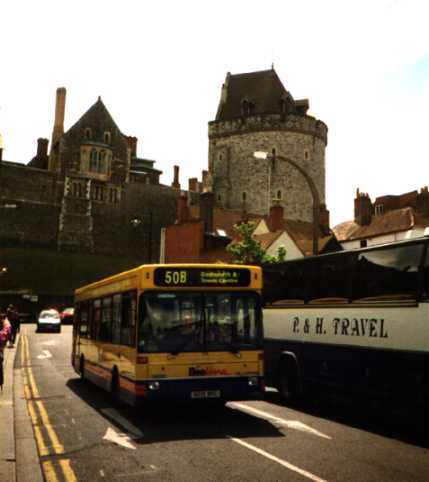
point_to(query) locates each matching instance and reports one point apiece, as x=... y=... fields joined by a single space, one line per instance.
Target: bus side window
x=106 y=320
x=128 y=326
x=116 y=319
x=82 y=319
x=96 y=317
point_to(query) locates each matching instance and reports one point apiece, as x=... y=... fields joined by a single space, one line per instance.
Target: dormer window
x=88 y=133
x=286 y=105
x=107 y=137
x=247 y=107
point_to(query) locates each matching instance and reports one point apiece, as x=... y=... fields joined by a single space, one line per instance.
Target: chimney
x=42 y=147
x=60 y=107
x=324 y=218
x=363 y=209
x=176 y=183
x=132 y=144
x=206 y=210
x=193 y=184
x=275 y=218
x=182 y=209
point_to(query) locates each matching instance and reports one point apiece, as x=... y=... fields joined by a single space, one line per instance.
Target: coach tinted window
x=390 y=272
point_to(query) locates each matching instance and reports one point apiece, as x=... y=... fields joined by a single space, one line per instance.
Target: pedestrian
x=5 y=329
x=14 y=319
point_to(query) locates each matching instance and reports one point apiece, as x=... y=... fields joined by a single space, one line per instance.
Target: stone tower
x=256 y=113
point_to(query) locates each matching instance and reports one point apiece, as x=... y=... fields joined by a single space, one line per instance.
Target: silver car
x=49 y=320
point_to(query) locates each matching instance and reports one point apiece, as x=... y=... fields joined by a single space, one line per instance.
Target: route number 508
x=175 y=277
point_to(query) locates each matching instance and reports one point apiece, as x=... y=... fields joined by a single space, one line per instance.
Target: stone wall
x=29 y=206
x=36 y=210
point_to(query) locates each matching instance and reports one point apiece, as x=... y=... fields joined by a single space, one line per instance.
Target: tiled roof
x=391 y=222
x=301 y=232
x=267 y=239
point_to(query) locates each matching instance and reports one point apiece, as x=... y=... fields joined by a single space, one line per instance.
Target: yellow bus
x=172 y=332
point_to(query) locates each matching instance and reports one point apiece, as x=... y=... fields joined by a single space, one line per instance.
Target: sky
x=159 y=67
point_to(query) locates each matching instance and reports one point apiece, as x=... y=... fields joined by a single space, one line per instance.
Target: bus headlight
x=153 y=386
x=253 y=382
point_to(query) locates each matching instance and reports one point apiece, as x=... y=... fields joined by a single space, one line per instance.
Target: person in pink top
x=5 y=330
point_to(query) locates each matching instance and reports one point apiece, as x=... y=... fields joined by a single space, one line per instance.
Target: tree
x=246 y=250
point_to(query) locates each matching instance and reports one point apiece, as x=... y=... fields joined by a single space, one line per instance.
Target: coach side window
x=330 y=278
x=390 y=272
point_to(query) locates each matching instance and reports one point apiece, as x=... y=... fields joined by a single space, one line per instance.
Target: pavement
x=19 y=459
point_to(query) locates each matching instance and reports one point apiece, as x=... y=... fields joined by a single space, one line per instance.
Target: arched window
x=88 y=133
x=102 y=162
x=107 y=137
x=279 y=194
x=243 y=196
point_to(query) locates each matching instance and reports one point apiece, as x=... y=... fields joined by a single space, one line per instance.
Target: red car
x=67 y=316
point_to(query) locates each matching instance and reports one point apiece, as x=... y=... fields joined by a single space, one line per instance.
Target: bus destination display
x=202 y=277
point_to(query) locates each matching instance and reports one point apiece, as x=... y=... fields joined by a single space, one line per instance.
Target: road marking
x=46 y=354
x=58 y=448
x=31 y=390
x=67 y=470
x=286 y=464
x=49 y=471
x=37 y=433
x=294 y=424
x=114 y=415
x=118 y=438
x=49 y=342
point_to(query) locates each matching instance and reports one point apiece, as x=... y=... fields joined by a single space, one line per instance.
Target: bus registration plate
x=206 y=394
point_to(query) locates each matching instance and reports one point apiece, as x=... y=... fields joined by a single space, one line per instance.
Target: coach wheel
x=288 y=381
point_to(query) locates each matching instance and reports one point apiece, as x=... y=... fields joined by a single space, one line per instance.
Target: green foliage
x=249 y=251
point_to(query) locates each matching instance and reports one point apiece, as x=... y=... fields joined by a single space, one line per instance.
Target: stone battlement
x=269 y=122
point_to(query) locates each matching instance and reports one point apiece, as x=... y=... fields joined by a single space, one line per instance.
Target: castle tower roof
x=263 y=90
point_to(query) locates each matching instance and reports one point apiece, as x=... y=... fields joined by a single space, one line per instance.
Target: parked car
x=49 y=320
x=67 y=316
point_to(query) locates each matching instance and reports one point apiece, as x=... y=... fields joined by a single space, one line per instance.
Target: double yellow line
x=36 y=408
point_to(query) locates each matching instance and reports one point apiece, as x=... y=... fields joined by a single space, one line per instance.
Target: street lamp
x=136 y=222
x=313 y=189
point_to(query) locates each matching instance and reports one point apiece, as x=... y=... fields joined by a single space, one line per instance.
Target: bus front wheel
x=115 y=388
x=82 y=368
